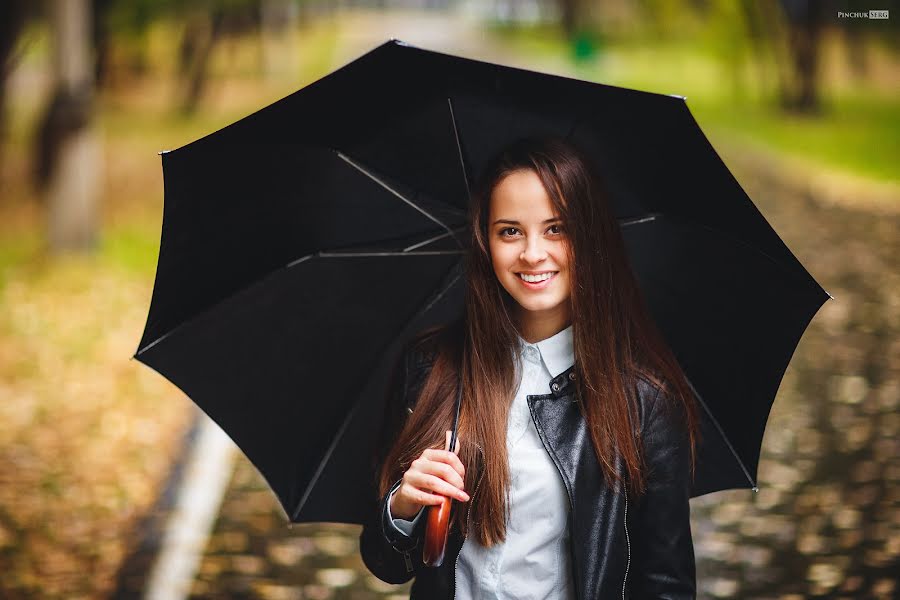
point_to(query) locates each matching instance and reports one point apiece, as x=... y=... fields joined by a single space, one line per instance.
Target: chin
x=545 y=306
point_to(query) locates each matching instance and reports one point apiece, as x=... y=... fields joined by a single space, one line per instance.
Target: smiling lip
x=539 y=285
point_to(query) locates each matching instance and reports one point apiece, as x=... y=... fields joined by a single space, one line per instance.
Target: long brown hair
x=615 y=342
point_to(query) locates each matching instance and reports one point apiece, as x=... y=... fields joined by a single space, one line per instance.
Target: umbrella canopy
x=303 y=245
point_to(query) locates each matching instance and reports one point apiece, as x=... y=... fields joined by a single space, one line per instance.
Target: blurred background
x=800 y=98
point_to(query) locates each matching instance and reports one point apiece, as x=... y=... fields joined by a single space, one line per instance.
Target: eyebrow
x=511 y=222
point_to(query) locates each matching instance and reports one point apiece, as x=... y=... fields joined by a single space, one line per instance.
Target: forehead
x=521 y=195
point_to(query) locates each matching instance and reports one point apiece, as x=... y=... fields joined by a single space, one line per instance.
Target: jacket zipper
x=628 y=544
x=408 y=561
x=468 y=523
x=571 y=518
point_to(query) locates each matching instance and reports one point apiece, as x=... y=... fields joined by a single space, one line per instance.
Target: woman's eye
x=558 y=229
x=503 y=232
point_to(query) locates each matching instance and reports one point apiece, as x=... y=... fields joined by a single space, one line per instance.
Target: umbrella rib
x=305 y=258
x=723 y=234
x=429 y=240
x=384 y=184
x=440 y=294
x=459 y=151
x=358 y=254
x=349 y=417
x=638 y=220
x=721 y=431
x=329 y=254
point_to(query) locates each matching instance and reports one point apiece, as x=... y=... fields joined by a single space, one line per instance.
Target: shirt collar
x=557 y=351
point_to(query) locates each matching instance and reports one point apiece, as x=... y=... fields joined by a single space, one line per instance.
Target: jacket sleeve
x=663 y=551
x=404 y=526
x=390 y=554
x=387 y=550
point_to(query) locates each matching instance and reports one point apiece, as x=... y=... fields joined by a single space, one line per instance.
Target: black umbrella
x=303 y=245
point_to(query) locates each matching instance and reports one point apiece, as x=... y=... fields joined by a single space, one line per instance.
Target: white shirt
x=533 y=562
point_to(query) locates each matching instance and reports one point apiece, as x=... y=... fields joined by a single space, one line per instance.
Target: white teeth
x=536 y=278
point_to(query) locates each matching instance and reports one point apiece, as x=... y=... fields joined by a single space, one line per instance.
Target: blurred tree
x=102 y=42
x=805 y=21
x=13 y=16
x=757 y=36
x=208 y=21
x=68 y=161
x=115 y=21
x=200 y=37
x=569 y=16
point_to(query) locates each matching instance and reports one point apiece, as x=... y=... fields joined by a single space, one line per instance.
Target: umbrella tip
x=678 y=96
x=755 y=488
x=161 y=152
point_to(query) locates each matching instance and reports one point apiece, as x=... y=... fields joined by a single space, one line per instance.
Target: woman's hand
x=435 y=474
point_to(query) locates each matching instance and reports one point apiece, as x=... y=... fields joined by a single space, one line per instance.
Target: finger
x=445 y=472
x=423 y=498
x=433 y=482
x=444 y=456
x=435 y=485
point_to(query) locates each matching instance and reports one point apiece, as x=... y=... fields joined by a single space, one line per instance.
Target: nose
x=534 y=251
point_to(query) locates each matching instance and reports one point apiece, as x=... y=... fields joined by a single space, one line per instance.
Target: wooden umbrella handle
x=438 y=525
x=436 y=530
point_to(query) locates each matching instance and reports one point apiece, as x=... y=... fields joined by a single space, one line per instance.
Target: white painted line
x=199 y=497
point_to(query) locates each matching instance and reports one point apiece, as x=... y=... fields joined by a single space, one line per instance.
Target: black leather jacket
x=620 y=547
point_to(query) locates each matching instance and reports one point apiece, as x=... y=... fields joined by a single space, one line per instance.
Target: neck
x=535 y=326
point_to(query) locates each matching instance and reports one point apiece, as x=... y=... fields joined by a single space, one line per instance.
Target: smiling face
x=528 y=252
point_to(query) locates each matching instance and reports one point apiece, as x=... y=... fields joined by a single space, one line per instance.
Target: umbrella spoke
x=721 y=431
x=462 y=163
x=429 y=240
x=387 y=253
x=638 y=220
x=384 y=184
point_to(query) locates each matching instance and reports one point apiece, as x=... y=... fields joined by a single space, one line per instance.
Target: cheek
x=499 y=257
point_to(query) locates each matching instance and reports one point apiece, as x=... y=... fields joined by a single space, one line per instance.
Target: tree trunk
x=69 y=152
x=200 y=37
x=569 y=16
x=805 y=21
x=12 y=20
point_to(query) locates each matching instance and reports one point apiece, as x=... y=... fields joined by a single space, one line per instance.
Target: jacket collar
x=557 y=352
x=559 y=384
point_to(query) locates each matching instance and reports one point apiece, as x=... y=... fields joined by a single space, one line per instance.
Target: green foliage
x=135 y=16
x=133 y=247
x=730 y=80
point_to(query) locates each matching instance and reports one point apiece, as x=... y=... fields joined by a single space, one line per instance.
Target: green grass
x=15 y=249
x=858 y=135
x=133 y=247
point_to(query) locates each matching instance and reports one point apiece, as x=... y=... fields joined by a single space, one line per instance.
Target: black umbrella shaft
x=459 y=388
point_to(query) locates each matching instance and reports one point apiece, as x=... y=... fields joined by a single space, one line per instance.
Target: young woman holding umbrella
x=576 y=427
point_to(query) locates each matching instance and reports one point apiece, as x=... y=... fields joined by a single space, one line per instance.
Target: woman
x=577 y=427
